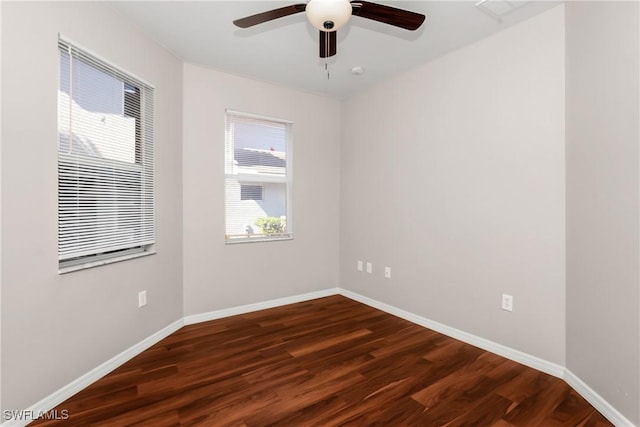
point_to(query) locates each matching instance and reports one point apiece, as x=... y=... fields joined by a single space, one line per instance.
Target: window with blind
x=250 y=192
x=257 y=178
x=106 y=205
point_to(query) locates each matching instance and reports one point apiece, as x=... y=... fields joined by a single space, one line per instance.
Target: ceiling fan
x=329 y=15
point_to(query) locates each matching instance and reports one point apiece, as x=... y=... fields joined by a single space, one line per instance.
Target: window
x=257 y=178
x=106 y=205
x=250 y=192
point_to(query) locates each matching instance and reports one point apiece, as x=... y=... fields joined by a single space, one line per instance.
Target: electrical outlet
x=359 y=265
x=142 y=298
x=387 y=272
x=369 y=268
x=507 y=302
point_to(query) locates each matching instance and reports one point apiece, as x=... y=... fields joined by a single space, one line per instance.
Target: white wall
x=218 y=276
x=56 y=328
x=603 y=199
x=453 y=175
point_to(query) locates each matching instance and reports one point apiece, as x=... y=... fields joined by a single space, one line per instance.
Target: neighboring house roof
x=252 y=160
x=102 y=135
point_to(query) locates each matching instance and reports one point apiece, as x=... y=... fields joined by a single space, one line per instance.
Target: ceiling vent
x=496 y=9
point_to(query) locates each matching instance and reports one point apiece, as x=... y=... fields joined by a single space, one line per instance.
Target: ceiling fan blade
x=269 y=15
x=328 y=43
x=387 y=14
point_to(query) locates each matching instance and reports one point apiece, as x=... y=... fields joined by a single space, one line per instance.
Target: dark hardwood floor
x=326 y=362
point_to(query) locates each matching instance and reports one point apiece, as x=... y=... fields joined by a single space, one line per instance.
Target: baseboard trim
x=485 y=344
x=598 y=402
x=59 y=396
x=233 y=311
x=550 y=368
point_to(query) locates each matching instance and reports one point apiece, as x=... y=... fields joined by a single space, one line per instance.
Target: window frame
x=144 y=164
x=264 y=181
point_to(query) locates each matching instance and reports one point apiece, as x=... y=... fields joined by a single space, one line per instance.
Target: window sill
x=237 y=241
x=98 y=263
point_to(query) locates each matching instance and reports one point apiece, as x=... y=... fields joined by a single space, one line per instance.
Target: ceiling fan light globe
x=320 y=12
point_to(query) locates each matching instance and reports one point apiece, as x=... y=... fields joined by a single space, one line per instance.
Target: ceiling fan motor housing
x=328 y=15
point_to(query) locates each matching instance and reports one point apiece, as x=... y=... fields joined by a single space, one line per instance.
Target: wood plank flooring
x=326 y=362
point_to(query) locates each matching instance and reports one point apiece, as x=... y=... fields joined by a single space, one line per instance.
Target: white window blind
x=257 y=178
x=106 y=205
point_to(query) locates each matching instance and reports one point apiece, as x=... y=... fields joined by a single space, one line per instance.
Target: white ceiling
x=285 y=51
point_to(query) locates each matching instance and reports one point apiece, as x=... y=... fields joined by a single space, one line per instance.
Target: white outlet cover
x=369 y=268
x=507 y=302
x=387 y=272
x=359 y=265
x=142 y=298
